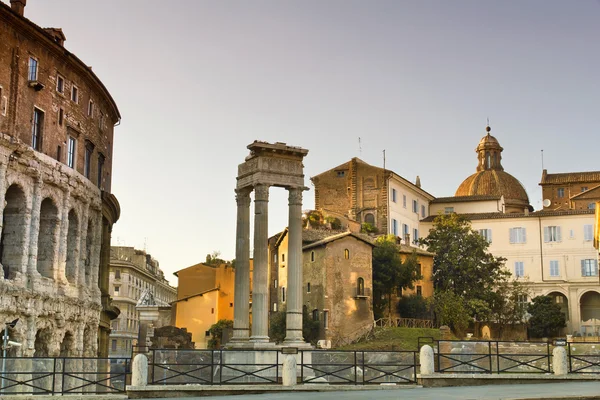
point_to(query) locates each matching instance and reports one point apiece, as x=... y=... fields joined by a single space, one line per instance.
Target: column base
x=259 y=339
x=300 y=344
x=248 y=345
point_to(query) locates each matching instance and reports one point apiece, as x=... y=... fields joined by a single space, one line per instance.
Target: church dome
x=490 y=178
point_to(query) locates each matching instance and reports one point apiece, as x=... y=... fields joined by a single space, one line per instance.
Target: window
x=207 y=333
x=552 y=234
x=522 y=301
x=346 y=254
x=404 y=229
x=517 y=235
x=113 y=345
x=36 y=129
x=212 y=310
x=584 y=188
x=415 y=236
x=394 y=195
x=74 y=94
x=519 y=269
x=419 y=290
x=395 y=227
x=325 y=319
x=404 y=200
x=117 y=290
x=274 y=307
x=283 y=258
x=589 y=267
x=340 y=174
x=308 y=287
x=415 y=204
x=71 y=146
x=91 y=109
x=33 y=69
x=58 y=153
x=370 y=218
x=283 y=294
x=591 y=206
x=360 y=287
x=100 y=169
x=61 y=116
x=117 y=274
x=554 y=268
x=312 y=256
x=315 y=315
x=419 y=271
x=423 y=211
x=560 y=193
x=487 y=234
x=89 y=149
x=448 y=210
x=275 y=283
x=60 y=84
x=588 y=232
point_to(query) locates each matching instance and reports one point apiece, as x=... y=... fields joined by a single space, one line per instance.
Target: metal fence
x=584 y=357
x=64 y=375
x=231 y=367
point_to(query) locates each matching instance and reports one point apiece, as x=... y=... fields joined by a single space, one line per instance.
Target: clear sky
x=197 y=81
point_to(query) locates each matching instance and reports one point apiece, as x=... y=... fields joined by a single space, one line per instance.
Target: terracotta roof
x=314 y=235
x=498 y=215
x=479 y=197
x=196 y=295
x=570 y=177
x=333 y=238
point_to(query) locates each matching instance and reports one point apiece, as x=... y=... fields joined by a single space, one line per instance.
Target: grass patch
x=396 y=339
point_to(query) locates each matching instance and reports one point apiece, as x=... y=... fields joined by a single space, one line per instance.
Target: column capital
x=242 y=197
x=261 y=192
x=295 y=195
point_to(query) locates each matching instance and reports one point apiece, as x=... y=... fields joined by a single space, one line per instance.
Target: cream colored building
x=552 y=249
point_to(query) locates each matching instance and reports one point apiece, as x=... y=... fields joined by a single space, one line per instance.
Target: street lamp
x=7 y=344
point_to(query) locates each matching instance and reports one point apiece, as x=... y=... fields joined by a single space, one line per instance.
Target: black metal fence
x=64 y=375
x=584 y=357
x=232 y=367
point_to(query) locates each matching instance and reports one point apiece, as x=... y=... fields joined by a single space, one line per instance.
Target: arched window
x=488 y=160
x=315 y=315
x=370 y=218
x=360 y=287
x=346 y=254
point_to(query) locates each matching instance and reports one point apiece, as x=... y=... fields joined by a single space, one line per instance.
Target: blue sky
x=197 y=81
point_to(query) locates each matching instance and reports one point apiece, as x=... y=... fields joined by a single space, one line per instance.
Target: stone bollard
x=559 y=361
x=427 y=360
x=139 y=370
x=288 y=372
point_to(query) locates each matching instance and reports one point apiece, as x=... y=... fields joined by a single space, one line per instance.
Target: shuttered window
x=517 y=235
x=552 y=234
x=589 y=267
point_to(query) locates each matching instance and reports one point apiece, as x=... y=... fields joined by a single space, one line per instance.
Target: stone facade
x=132 y=272
x=55 y=174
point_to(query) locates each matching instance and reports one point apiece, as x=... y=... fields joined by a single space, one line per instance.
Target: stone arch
x=47 y=238
x=89 y=246
x=562 y=300
x=72 y=247
x=589 y=310
x=43 y=338
x=67 y=345
x=13 y=244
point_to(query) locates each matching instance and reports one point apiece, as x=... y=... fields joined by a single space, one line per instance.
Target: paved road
x=574 y=390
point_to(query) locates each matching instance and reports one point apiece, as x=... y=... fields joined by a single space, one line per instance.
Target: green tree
x=216 y=332
x=546 y=317
x=414 y=306
x=277 y=326
x=451 y=310
x=390 y=273
x=462 y=263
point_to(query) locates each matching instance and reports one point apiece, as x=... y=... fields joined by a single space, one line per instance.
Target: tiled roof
x=498 y=215
x=452 y=199
x=315 y=235
x=571 y=177
x=332 y=238
x=196 y=294
x=588 y=193
x=493 y=182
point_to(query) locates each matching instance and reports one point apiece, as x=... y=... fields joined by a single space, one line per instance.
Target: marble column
x=241 y=306
x=293 y=333
x=260 y=282
x=34 y=230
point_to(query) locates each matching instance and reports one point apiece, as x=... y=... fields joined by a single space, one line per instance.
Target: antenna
x=383 y=159
x=542 y=159
x=359 y=148
x=488 y=121
x=145 y=244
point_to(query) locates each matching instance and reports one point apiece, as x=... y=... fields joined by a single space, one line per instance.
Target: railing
x=404 y=323
x=231 y=367
x=64 y=375
x=454 y=356
x=584 y=357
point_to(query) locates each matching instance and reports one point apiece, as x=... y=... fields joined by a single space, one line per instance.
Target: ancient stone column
x=81 y=270
x=260 y=290
x=36 y=204
x=241 y=306
x=293 y=334
x=64 y=231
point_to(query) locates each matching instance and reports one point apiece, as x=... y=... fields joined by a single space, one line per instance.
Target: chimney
x=18 y=6
x=418 y=182
x=57 y=35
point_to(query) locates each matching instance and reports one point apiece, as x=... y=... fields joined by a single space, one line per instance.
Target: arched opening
x=488 y=160
x=346 y=254
x=562 y=301
x=48 y=238
x=88 y=252
x=67 y=345
x=72 y=250
x=590 y=314
x=370 y=218
x=42 y=342
x=360 y=287
x=12 y=242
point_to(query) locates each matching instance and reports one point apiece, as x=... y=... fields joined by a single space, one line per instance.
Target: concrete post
x=260 y=290
x=241 y=307
x=289 y=371
x=427 y=360
x=293 y=333
x=139 y=370
x=560 y=365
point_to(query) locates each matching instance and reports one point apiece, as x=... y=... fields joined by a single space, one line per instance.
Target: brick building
x=570 y=190
x=56 y=139
x=132 y=272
